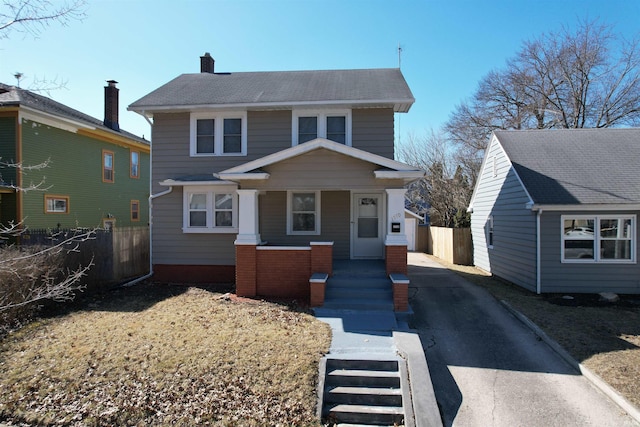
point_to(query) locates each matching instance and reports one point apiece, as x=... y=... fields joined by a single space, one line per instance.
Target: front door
x=367 y=234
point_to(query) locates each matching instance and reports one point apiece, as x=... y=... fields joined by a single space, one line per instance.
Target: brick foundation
x=216 y=274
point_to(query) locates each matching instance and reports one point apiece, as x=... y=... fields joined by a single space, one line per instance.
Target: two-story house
x=88 y=172
x=264 y=177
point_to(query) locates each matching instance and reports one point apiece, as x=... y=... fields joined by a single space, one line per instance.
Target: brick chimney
x=111 y=105
x=206 y=63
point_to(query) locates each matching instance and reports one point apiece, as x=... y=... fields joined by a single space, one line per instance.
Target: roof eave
x=398 y=105
x=587 y=207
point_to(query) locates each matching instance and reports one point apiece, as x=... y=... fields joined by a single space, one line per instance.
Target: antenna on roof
x=18 y=75
x=399 y=55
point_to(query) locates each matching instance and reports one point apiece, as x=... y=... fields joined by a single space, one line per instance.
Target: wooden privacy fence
x=116 y=254
x=450 y=244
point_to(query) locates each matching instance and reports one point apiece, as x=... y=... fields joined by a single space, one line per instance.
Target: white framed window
x=330 y=124
x=210 y=209
x=489 y=232
x=598 y=238
x=303 y=212
x=218 y=134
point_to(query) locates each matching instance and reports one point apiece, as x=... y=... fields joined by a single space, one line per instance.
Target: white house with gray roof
x=556 y=210
x=254 y=171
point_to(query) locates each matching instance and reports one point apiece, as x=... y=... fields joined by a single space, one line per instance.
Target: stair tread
x=363 y=373
x=367 y=409
x=381 y=391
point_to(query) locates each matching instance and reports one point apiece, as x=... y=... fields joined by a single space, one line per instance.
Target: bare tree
x=32 y=16
x=31 y=274
x=444 y=192
x=565 y=79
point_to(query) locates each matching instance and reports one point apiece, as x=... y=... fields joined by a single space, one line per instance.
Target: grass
x=165 y=355
x=603 y=337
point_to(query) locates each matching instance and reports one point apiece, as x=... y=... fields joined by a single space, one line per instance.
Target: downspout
x=151 y=197
x=538 y=252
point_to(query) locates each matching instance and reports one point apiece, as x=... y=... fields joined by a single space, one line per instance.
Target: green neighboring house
x=97 y=175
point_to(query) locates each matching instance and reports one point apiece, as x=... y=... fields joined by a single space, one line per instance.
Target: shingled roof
x=12 y=96
x=368 y=87
x=576 y=166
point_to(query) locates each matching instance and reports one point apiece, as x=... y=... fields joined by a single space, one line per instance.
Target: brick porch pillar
x=246 y=270
x=322 y=257
x=246 y=242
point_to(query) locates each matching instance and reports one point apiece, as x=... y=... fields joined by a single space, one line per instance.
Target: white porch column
x=395 y=214
x=248 y=228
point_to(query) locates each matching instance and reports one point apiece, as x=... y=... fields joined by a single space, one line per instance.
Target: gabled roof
x=576 y=166
x=11 y=96
x=384 y=87
x=391 y=169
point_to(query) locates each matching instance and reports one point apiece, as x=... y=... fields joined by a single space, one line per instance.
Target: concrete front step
x=362 y=378
x=377 y=282
x=361 y=293
x=365 y=414
x=371 y=396
x=365 y=364
x=358 y=304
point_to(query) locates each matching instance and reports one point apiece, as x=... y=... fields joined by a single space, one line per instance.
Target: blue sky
x=448 y=45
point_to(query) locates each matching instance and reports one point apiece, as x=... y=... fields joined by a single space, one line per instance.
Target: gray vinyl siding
x=334 y=227
x=322 y=170
x=373 y=131
x=172 y=246
x=584 y=277
x=267 y=132
x=513 y=256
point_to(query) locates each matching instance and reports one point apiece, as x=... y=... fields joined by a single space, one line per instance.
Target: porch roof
x=389 y=169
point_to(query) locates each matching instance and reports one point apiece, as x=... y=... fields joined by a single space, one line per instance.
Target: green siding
x=8 y=174
x=75 y=170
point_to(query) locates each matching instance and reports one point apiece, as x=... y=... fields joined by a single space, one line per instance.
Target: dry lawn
x=161 y=355
x=603 y=337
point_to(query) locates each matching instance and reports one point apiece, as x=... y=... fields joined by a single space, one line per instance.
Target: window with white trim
x=598 y=238
x=210 y=209
x=330 y=124
x=221 y=134
x=303 y=212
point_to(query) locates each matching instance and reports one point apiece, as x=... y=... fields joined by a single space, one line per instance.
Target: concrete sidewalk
x=487 y=368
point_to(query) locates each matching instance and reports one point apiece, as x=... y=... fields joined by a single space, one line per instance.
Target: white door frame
x=382 y=214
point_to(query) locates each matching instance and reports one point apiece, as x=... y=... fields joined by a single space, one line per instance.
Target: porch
x=310 y=274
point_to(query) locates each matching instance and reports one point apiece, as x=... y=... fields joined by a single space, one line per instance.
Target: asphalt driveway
x=487 y=368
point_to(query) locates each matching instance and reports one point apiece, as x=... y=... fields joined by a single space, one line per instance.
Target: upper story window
x=330 y=124
x=135 y=210
x=134 y=170
x=218 y=134
x=210 y=209
x=608 y=238
x=107 y=166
